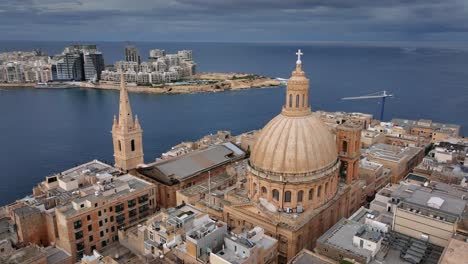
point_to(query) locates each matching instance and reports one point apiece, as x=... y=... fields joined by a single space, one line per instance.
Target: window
x=77 y=224
x=78 y=235
x=300 y=194
x=88 y=217
x=119 y=208
x=112 y=228
x=131 y=203
x=303 y=100
x=103 y=243
x=110 y=209
x=132 y=143
x=100 y=222
x=287 y=196
x=143 y=198
x=90 y=238
x=95 y=205
x=319 y=192
x=99 y=213
x=120 y=218
x=275 y=194
x=79 y=246
x=90 y=227
x=326 y=188
x=290 y=100
x=143 y=208
x=111 y=218
x=264 y=190
x=101 y=233
x=120 y=145
x=345 y=146
x=93 y=247
x=132 y=213
x=311 y=194
x=297 y=101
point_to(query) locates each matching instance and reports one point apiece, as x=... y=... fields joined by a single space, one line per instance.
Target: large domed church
x=296 y=182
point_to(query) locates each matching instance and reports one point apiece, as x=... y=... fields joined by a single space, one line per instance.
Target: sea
x=46 y=131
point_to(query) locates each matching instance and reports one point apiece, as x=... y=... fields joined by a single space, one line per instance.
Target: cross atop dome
x=299 y=53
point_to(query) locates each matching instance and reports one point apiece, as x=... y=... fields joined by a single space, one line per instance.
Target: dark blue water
x=47 y=131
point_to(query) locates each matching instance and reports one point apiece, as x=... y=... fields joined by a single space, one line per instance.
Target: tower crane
x=378 y=95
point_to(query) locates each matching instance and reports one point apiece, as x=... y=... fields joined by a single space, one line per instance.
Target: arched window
x=303 y=100
x=275 y=194
x=120 y=145
x=297 y=101
x=319 y=192
x=311 y=194
x=133 y=144
x=264 y=190
x=326 y=188
x=299 y=196
x=287 y=196
x=290 y=100
x=345 y=146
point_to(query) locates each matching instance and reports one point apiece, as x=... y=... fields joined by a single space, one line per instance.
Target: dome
x=294 y=145
x=295 y=141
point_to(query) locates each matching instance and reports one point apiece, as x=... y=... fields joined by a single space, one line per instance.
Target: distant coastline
x=199 y=83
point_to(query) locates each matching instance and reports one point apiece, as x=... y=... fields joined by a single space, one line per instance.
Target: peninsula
x=198 y=83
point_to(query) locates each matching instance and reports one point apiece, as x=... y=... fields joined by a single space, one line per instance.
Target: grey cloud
x=235 y=19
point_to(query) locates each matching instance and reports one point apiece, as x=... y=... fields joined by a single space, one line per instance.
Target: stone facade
x=293 y=183
x=127 y=135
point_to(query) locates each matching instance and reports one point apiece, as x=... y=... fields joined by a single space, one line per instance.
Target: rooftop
x=108 y=190
x=186 y=166
x=442 y=200
x=392 y=153
x=341 y=236
x=422 y=123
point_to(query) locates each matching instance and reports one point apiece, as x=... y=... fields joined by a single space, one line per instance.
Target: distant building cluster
x=160 y=68
x=310 y=187
x=75 y=63
x=22 y=67
x=86 y=63
x=79 y=63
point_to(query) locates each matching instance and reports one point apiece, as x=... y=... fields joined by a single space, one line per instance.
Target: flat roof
x=392 y=153
x=341 y=236
x=420 y=195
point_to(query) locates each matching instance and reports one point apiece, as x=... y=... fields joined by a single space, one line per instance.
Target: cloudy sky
x=235 y=20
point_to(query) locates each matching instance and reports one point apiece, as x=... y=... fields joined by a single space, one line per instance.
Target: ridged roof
x=294 y=145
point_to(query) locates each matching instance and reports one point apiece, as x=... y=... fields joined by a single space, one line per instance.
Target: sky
x=235 y=20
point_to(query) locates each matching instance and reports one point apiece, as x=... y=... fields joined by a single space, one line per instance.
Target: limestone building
x=293 y=175
x=127 y=135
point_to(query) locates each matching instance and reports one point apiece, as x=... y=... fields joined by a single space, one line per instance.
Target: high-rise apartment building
x=70 y=67
x=93 y=65
x=132 y=54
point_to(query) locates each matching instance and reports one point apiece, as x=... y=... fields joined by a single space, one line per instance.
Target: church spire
x=297 y=92
x=127 y=134
x=125 y=110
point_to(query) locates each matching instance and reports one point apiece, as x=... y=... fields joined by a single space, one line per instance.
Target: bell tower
x=127 y=134
x=348 y=141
